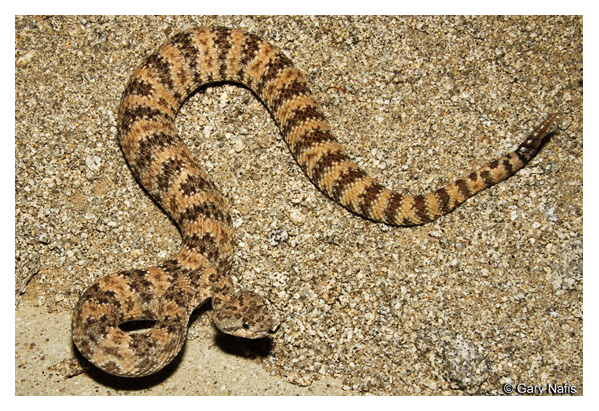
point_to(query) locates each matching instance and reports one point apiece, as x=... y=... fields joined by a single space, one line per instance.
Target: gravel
x=488 y=294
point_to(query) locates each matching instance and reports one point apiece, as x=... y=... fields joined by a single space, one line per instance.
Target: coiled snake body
x=168 y=293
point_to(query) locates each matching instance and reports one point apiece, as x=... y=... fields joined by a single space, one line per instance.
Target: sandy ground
x=487 y=296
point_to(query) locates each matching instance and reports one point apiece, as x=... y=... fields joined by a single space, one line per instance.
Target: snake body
x=167 y=294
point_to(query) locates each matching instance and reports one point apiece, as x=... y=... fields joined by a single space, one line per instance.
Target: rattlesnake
x=167 y=294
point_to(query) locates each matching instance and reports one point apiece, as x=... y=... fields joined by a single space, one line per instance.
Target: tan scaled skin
x=168 y=293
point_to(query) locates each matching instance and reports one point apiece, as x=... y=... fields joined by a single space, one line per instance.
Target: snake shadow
x=240 y=347
x=123 y=383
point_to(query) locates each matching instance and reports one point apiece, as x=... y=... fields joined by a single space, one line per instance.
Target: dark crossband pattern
x=167 y=294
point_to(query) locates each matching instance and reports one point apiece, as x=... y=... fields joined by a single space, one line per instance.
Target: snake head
x=245 y=314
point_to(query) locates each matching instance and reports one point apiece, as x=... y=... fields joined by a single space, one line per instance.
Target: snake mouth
x=137 y=325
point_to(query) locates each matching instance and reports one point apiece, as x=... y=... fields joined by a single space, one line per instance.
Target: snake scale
x=168 y=293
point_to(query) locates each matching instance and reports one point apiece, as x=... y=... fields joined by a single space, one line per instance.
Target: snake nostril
x=137 y=325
